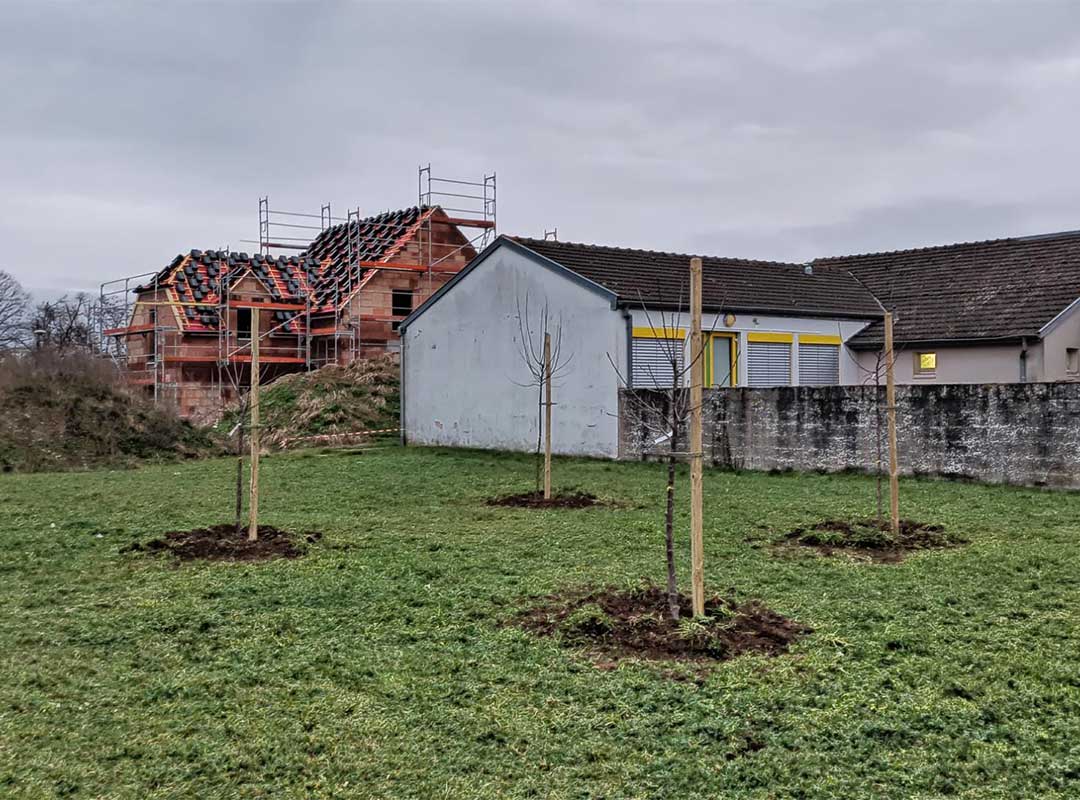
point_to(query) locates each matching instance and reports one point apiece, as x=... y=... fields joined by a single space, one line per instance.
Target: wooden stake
x=253 y=399
x=547 y=416
x=697 y=375
x=890 y=410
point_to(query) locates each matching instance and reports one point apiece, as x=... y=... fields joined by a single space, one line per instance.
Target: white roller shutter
x=819 y=364
x=651 y=362
x=768 y=363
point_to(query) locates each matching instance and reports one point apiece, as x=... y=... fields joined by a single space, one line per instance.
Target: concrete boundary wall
x=1016 y=433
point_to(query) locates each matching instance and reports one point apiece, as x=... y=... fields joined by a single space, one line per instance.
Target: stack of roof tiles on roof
x=662 y=279
x=198 y=278
x=1002 y=289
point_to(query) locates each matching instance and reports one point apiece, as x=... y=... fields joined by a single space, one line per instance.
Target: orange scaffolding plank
x=461 y=222
x=130 y=330
x=409 y=267
x=268 y=306
x=239 y=357
x=269 y=359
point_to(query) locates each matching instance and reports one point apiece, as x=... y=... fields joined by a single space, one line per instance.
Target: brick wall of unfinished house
x=376 y=298
x=199 y=391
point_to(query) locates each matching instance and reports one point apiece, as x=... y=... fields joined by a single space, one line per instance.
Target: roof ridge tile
x=1037 y=237
x=644 y=251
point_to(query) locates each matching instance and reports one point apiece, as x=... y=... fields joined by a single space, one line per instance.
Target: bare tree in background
x=15 y=332
x=75 y=322
x=665 y=420
x=531 y=348
x=63 y=325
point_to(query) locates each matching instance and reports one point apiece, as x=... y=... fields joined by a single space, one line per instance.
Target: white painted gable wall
x=462 y=365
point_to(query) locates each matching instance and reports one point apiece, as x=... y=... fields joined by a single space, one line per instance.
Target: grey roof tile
x=658 y=278
x=1001 y=289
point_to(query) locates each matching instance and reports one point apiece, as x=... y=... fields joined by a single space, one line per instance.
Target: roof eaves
x=1059 y=318
x=864 y=341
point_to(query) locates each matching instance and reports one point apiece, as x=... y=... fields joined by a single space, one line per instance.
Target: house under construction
x=341 y=297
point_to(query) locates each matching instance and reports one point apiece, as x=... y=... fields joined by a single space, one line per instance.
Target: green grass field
x=377 y=667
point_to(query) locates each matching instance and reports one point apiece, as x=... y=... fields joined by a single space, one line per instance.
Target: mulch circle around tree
x=536 y=500
x=870 y=539
x=618 y=623
x=223 y=543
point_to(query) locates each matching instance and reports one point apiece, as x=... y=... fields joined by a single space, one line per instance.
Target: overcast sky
x=132 y=131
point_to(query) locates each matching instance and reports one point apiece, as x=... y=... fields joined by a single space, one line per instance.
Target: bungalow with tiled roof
x=999 y=311
x=988 y=312
x=621 y=320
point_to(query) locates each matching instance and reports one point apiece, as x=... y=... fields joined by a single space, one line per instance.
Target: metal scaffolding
x=467 y=204
x=341 y=311
x=283 y=230
x=154 y=350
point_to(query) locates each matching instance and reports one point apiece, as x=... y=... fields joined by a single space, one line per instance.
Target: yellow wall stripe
x=659 y=333
x=814 y=338
x=770 y=337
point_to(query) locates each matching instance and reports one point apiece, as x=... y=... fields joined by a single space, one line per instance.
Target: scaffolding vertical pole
x=490 y=209
x=158 y=335
x=264 y=225
x=307 y=331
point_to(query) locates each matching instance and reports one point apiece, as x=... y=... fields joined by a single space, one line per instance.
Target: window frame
x=733 y=353
x=243 y=332
x=809 y=348
x=395 y=310
x=787 y=340
x=639 y=334
x=917 y=369
x=1072 y=354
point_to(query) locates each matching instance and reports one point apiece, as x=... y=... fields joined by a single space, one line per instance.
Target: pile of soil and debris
x=871 y=539
x=223 y=543
x=70 y=412
x=617 y=623
x=328 y=406
x=564 y=499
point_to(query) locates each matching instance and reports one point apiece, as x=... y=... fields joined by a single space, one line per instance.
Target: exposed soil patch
x=616 y=623
x=536 y=500
x=222 y=543
x=870 y=539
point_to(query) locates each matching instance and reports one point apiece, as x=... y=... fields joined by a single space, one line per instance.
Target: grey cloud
x=788 y=130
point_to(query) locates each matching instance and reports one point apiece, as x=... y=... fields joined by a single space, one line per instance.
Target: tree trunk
x=547 y=416
x=669 y=513
x=539 y=432
x=877 y=432
x=240 y=477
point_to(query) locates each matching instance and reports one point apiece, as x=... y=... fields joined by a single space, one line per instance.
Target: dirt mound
x=223 y=543
x=536 y=500
x=633 y=623
x=327 y=405
x=871 y=539
x=69 y=412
